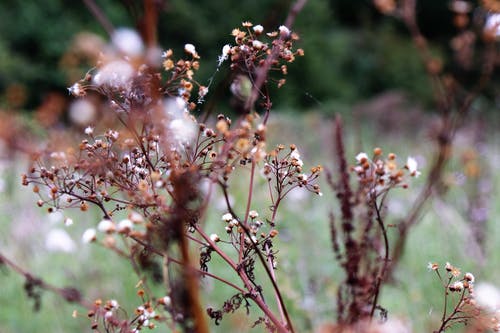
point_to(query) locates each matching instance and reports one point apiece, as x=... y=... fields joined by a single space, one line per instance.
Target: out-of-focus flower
x=284 y=31
x=227 y=217
x=115 y=74
x=226 y=50
x=179 y=123
x=487 y=296
x=58 y=240
x=492 y=25
x=82 y=112
x=258 y=29
x=412 y=166
x=361 y=158
x=190 y=49
x=128 y=42
x=89 y=235
x=107 y=226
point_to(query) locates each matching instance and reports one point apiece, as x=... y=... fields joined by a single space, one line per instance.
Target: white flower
x=76 y=90
x=107 y=226
x=295 y=154
x=68 y=221
x=115 y=74
x=89 y=235
x=214 y=238
x=411 y=164
x=469 y=277
x=58 y=240
x=202 y=92
x=82 y=112
x=258 y=29
x=128 y=42
x=487 y=296
x=284 y=31
x=227 y=217
x=253 y=214
x=361 y=158
x=182 y=127
x=114 y=304
x=189 y=48
x=89 y=130
x=166 y=300
x=125 y=226
x=257 y=44
x=226 y=50
x=135 y=217
x=457 y=286
x=493 y=24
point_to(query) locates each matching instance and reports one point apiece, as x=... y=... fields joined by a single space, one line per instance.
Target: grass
x=307 y=271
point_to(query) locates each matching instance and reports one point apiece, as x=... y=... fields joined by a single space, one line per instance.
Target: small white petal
x=89 y=235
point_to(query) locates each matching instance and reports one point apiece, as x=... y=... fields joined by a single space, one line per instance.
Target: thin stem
x=71 y=295
x=381 y=275
x=100 y=16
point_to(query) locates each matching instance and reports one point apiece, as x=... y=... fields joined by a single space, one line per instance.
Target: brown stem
x=71 y=295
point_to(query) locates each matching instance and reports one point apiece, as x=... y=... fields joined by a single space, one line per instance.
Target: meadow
x=308 y=271
x=151 y=200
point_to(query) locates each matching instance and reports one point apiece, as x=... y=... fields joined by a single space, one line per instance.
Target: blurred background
x=353 y=51
x=358 y=63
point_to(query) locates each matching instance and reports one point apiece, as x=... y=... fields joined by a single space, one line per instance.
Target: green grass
x=307 y=272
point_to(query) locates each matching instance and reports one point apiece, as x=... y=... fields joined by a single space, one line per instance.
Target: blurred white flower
x=58 y=240
x=493 y=24
x=361 y=158
x=82 y=112
x=189 y=48
x=76 y=90
x=106 y=226
x=68 y=221
x=115 y=74
x=182 y=127
x=227 y=217
x=89 y=130
x=487 y=296
x=89 y=235
x=284 y=31
x=412 y=166
x=125 y=226
x=257 y=44
x=258 y=29
x=226 y=50
x=128 y=42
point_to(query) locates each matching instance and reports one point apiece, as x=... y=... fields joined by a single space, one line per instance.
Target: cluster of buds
x=181 y=72
x=252 y=46
x=378 y=173
x=284 y=169
x=453 y=281
x=107 y=315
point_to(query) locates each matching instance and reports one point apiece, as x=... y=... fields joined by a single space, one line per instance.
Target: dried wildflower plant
x=150 y=167
x=360 y=239
x=459 y=303
x=153 y=170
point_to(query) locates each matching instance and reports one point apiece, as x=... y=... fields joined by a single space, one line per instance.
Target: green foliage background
x=352 y=52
